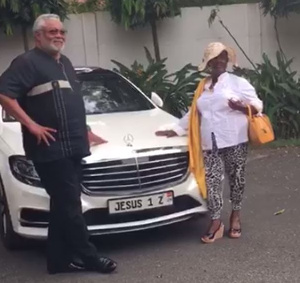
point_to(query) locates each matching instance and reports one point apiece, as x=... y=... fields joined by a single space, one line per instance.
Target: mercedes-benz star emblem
x=128 y=139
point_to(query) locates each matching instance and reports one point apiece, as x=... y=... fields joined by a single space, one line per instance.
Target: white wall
x=93 y=39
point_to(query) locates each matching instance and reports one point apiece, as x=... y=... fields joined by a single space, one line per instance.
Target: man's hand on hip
x=43 y=134
x=13 y=108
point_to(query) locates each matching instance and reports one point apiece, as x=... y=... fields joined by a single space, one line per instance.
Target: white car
x=136 y=181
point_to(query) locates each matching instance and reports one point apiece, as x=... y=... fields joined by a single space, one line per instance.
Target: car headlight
x=24 y=171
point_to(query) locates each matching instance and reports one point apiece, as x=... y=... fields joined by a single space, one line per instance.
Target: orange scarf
x=194 y=142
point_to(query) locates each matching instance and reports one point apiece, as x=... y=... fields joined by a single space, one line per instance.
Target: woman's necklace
x=212 y=85
x=212 y=82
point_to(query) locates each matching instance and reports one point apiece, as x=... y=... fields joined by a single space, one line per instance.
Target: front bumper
x=29 y=209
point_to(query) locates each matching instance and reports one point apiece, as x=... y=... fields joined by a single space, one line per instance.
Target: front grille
x=135 y=174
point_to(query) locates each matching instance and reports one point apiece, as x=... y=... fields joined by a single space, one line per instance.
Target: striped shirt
x=49 y=93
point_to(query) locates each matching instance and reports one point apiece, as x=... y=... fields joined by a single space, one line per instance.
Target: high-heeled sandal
x=210 y=238
x=234 y=233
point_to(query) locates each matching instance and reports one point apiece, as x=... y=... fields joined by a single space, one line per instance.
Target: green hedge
x=199 y=3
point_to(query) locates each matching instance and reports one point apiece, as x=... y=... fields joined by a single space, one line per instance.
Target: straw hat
x=213 y=50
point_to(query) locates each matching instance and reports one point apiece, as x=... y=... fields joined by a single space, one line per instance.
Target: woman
x=217 y=129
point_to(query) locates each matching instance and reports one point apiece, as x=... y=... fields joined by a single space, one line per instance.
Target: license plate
x=140 y=203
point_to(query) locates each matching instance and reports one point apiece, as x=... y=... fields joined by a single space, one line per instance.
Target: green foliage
x=280 y=8
x=175 y=89
x=23 y=12
x=201 y=3
x=136 y=13
x=86 y=7
x=280 y=92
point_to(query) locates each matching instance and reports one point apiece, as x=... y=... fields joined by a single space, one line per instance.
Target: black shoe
x=71 y=267
x=103 y=265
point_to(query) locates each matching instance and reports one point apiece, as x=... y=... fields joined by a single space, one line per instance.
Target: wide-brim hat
x=213 y=50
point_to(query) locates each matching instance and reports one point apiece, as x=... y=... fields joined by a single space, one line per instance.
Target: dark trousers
x=67 y=234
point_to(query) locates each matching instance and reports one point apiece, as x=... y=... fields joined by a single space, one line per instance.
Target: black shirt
x=49 y=93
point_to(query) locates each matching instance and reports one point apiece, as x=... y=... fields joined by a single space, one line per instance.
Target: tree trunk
x=237 y=43
x=155 y=40
x=277 y=36
x=25 y=38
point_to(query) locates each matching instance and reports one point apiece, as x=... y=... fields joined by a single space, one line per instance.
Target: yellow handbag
x=260 y=129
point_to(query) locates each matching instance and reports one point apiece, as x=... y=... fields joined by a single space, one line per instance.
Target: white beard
x=53 y=47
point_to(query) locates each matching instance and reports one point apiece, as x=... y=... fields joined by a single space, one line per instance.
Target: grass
x=285 y=143
x=281 y=143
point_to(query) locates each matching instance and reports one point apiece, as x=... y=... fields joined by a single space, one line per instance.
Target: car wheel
x=11 y=240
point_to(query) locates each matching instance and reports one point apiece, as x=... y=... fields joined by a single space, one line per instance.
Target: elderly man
x=40 y=90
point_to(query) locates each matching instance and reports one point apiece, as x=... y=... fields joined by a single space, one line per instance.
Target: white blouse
x=229 y=126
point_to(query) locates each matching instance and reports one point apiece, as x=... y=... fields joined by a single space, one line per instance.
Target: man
x=40 y=90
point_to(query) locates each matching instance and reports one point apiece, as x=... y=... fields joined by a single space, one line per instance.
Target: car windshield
x=106 y=93
x=110 y=93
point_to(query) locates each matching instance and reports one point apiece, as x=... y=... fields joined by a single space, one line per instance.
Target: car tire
x=10 y=239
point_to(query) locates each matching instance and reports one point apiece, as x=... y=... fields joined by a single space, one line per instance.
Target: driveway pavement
x=269 y=250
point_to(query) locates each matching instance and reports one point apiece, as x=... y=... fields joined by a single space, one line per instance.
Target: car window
x=109 y=93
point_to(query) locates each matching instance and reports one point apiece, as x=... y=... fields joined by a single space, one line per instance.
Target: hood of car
x=126 y=132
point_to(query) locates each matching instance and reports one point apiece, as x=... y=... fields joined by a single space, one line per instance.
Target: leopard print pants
x=233 y=160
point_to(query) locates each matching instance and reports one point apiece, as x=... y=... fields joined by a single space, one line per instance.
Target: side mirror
x=156 y=99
